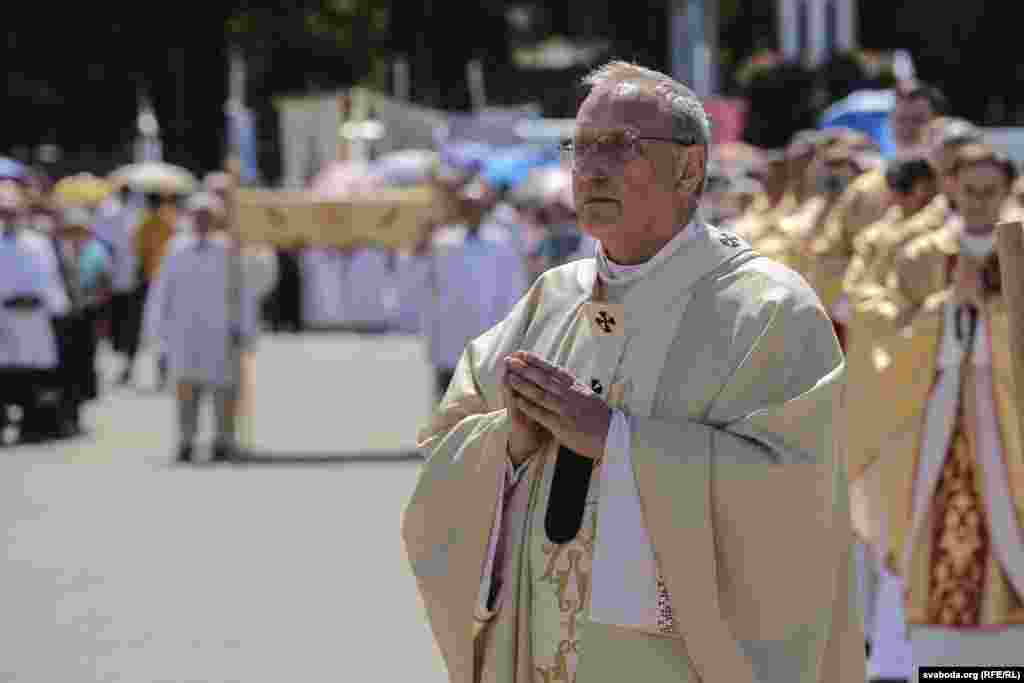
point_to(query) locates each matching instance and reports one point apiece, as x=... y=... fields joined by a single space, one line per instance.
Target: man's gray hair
x=690 y=120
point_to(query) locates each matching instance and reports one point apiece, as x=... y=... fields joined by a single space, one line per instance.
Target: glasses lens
x=614 y=149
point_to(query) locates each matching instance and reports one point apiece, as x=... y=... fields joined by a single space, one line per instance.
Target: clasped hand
x=546 y=401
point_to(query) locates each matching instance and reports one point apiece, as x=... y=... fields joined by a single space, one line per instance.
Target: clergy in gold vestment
x=771 y=203
x=834 y=169
x=917 y=210
x=862 y=203
x=636 y=475
x=764 y=234
x=945 y=499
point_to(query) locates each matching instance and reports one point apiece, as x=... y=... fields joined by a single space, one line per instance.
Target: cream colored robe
x=737 y=383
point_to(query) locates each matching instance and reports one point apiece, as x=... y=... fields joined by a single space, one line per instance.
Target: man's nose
x=595 y=182
x=593 y=173
x=593 y=167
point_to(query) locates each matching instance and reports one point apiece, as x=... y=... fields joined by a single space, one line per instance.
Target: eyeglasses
x=616 y=149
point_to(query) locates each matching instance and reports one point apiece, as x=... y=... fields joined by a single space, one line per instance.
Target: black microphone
x=569 y=488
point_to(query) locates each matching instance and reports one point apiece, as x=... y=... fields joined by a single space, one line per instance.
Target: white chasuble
x=721 y=475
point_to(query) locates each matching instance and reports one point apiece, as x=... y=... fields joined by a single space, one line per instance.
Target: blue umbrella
x=465 y=156
x=12 y=170
x=866 y=111
x=511 y=166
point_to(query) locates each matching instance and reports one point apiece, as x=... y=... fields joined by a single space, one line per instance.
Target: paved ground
x=122 y=567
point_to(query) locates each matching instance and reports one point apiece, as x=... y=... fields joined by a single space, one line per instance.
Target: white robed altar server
x=115 y=225
x=189 y=311
x=323 y=287
x=31 y=295
x=636 y=474
x=349 y=288
x=27 y=275
x=464 y=279
x=370 y=289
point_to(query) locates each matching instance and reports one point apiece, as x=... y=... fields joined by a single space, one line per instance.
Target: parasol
x=12 y=170
x=343 y=179
x=83 y=189
x=510 y=166
x=406 y=167
x=155 y=177
x=543 y=186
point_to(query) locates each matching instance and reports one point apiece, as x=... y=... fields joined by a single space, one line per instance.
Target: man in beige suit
x=636 y=475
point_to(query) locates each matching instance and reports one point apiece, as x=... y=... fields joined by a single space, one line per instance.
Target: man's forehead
x=982 y=174
x=621 y=106
x=921 y=103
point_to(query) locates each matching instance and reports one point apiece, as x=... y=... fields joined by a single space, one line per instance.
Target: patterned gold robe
x=946 y=509
x=736 y=379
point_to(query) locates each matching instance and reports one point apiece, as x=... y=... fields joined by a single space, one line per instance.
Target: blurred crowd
x=886 y=238
x=81 y=257
x=819 y=205
x=92 y=261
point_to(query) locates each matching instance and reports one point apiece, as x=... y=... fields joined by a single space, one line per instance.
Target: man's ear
x=688 y=184
x=691 y=169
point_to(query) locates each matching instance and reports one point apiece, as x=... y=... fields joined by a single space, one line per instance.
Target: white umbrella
x=406 y=167
x=545 y=186
x=156 y=177
x=341 y=180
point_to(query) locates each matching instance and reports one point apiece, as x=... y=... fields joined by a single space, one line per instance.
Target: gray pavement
x=289 y=567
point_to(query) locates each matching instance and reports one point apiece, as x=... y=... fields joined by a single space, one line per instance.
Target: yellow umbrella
x=156 y=177
x=83 y=189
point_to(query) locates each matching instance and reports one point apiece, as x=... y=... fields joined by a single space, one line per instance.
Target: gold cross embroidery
x=606 y=320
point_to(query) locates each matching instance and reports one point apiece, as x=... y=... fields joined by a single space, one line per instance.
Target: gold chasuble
x=730 y=377
x=942 y=495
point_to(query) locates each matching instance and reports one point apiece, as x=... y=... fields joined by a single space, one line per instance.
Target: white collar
x=621 y=274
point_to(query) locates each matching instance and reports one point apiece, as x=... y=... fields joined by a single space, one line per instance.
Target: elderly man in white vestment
x=189 y=311
x=636 y=475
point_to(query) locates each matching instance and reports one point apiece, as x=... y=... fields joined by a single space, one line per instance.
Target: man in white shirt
x=468 y=277
x=190 y=312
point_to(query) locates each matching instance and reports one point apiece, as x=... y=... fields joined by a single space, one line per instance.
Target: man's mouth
x=601 y=200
